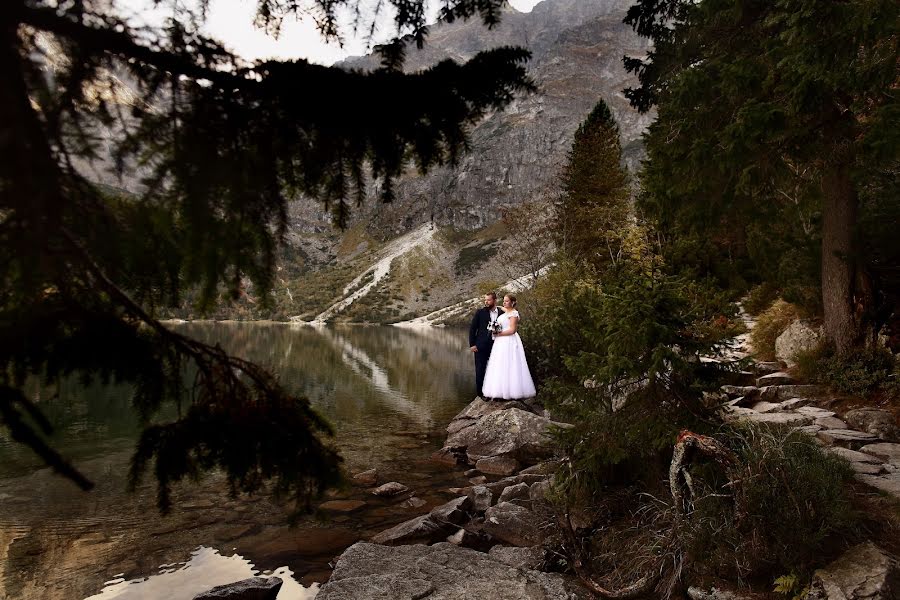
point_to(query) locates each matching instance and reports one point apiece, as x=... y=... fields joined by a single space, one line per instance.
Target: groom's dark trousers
x=480 y=337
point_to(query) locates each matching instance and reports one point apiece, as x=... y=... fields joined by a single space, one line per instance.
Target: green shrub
x=859 y=373
x=760 y=298
x=785 y=500
x=772 y=323
x=619 y=359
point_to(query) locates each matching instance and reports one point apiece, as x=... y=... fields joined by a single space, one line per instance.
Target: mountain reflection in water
x=389 y=393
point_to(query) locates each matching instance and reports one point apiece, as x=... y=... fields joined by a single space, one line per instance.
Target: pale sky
x=231 y=22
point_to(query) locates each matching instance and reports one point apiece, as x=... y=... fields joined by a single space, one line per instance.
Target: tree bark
x=843 y=308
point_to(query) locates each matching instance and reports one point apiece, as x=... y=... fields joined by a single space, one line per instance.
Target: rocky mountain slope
x=516 y=155
x=455 y=243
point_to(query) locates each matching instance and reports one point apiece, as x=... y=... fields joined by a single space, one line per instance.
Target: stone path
x=869 y=443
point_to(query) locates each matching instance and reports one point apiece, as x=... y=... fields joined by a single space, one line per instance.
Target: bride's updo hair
x=512 y=300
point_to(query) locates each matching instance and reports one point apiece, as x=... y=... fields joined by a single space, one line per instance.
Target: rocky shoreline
x=490 y=542
x=487 y=542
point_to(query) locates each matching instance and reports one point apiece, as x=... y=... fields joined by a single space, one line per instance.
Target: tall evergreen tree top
x=600 y=117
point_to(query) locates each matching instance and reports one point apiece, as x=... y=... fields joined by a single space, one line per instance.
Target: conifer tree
x=756 y=96
x=224 y=145
x=592 y=212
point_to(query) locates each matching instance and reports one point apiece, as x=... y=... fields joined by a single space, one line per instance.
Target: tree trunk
x=841 y=305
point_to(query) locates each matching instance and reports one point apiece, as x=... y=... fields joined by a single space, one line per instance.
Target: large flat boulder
x=780 y=393
x=478 y=408
x=888 y=452
x=878 y=422
x=514 y=433
x=863 y=572
x=846 y=436
x=889 y=483
x=439 y=572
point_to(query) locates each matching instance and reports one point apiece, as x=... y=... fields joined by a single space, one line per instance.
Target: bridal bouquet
x=495 y=327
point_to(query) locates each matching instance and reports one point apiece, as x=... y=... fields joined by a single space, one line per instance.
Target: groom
x=480 y=340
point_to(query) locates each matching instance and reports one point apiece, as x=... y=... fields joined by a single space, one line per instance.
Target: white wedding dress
x=507 y=375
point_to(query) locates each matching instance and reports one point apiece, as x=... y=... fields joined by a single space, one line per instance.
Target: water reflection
x=389 y=393
x=180 y=581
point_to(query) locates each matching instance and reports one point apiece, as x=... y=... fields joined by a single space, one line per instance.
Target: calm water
x=389 y=392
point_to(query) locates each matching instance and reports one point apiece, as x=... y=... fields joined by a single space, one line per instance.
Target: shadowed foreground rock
x=255 y=588
x=439 y=572
x=864 y=572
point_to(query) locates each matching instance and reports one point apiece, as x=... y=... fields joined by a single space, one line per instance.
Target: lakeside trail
x=863 y=435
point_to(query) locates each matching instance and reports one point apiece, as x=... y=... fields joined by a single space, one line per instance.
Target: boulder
x=862 y=468
x=810 y=429
x=538 y=491
x=854 y=456
x=255 y=588
x=520 y=558
x=513 y=524
x=863 y=572
x=815 y=411
x=766 y=407
x=845 y=436
x=514 y=433
x=516 y=493
x=781 y=418
x=879 y=423
x=479 y=408
x=795 y=404
x=439 y=572
x=366 y=478
x=830 y=423
x=888 y=452
x=390 y=489
x=778 y=378
x=497 y=487
x=429 y=528
x=800 y=336
x=889 y=484
x=764 y=368
x=480 y=498
x=497 y=465
x=780 y=393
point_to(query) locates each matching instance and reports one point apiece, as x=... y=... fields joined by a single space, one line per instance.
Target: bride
x=507 y=375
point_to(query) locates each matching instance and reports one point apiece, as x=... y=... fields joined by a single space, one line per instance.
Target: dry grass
x=772 y=323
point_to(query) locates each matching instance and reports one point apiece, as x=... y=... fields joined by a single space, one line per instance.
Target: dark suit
x=480 y=337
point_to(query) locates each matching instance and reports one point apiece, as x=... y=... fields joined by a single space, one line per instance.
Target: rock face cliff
x=516 y=155
x=448 y=222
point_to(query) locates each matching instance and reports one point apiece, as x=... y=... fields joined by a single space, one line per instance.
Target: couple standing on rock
x=501 y=371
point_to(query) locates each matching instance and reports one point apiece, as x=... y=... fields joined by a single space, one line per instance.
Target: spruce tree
x=224 y=145
x=592 y=213
x=755 y=97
